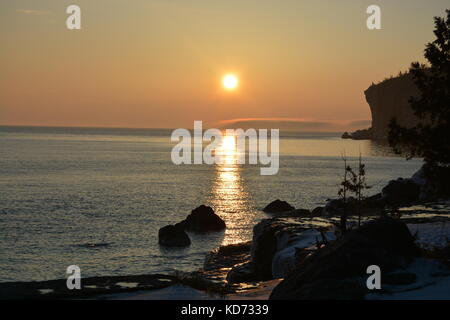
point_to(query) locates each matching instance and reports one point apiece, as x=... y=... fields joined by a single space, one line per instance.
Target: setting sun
x=230 y=82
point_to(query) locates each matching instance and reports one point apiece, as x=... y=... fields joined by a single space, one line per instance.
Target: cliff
x=390 y=99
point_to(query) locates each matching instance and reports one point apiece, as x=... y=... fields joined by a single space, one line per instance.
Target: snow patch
x=434 y=234
x=285 y=258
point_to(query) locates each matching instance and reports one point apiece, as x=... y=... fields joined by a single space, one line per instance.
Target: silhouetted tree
x=343 y=189
x=430 y=138
x=359 y=186
x=353 y=183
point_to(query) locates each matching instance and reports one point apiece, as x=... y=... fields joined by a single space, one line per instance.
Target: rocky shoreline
x=296 y=254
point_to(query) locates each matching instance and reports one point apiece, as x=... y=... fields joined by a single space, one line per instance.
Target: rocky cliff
x=390 y=99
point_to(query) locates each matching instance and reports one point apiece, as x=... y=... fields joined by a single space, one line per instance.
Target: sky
x=145 y=63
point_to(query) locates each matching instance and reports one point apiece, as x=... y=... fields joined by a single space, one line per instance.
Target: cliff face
x=389 y=99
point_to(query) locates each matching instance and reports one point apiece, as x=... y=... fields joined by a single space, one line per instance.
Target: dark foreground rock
x=327 y=273
x=293 y=213
x=265 y=245
x=91 y=287
x=317 y=211
x=434 y=182
x=278 y=206
x=277 y=246
x=243 y=272
x=227 y=256
x=173 y=236
x=276 y=243
x=203 y=219
x=401 y=192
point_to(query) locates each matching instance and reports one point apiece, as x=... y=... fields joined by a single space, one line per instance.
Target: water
x=63 y=189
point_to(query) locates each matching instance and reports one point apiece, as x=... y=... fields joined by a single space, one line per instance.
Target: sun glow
x=230 y=82
x=229 y=144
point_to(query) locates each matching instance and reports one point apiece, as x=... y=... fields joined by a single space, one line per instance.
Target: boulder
x=434 y=182
x=227 y=256
x=401 y=192
x=264 y=246
x=328 y=272
x=270 y=236
x=318 y=211
x=203 y=219
x=277 y=246
x=173 y=236
x=242 y=272
x=419 y=177
x=375 y=201
x=300 y=213
x=278 y=206
x=293 y=213
x=337 y=206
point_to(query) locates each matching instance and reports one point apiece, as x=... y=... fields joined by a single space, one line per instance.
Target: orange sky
x=160 y=63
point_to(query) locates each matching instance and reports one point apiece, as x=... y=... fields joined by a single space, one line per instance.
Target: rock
x=275 y=242
x=293 y=213
x=293 y=245
x=390 y=99
x=331 y=289
x=364 y=134
x=242 y=272
x=326 y=274
x=203 y=219
x=264 y=246
x=337 y=206
x=173 y=236
x=375 y=201
x=398 y=279
x=346 y=135
x=278 y=206
x=227 y=256
x=318 y=211
x=419 y=177
x=300 y=213
x=434 y=182
x=401 y=192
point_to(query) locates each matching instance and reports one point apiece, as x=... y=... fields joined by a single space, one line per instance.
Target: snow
x=285 y=259
x=432 y=283
x=435 y=234
x=175 y=292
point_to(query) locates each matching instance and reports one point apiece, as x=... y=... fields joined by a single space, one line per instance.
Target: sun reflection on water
x=229 y=197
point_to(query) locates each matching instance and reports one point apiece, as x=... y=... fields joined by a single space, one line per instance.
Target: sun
x=230 y=82
x=229 y=143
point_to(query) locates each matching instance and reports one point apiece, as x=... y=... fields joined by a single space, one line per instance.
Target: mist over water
x=63 y=189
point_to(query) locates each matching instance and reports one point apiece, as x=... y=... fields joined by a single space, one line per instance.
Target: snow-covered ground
x=432 y=283
x=285 y=258
x=434 y=234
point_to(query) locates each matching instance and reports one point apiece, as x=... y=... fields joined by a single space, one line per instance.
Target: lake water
x=64 y=188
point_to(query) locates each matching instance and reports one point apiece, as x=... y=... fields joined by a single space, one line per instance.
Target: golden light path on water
x=229 y=197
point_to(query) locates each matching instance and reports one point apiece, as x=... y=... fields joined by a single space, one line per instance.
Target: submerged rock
x=203 y=219
x=278 y=206
x=385 y=242
x=173 y=236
